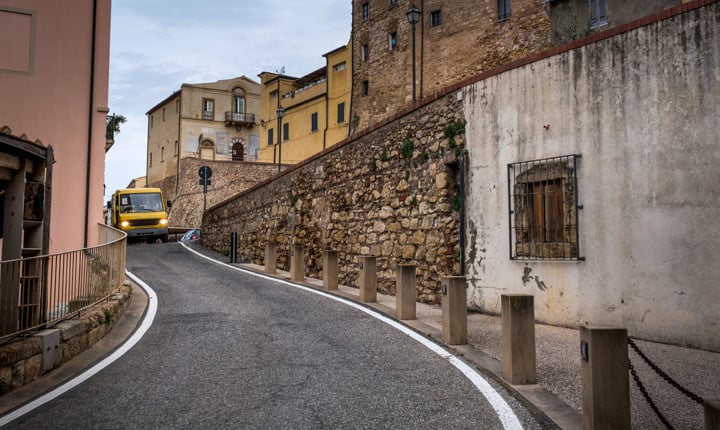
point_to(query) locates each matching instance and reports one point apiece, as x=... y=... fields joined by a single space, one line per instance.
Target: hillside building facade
x=210 y=121
x=314 y=110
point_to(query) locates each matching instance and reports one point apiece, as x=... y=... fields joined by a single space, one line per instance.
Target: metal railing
x=244 y=118
x=50 y=288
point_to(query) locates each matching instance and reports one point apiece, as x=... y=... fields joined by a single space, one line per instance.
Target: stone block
x=518 y=338
x=605 y=378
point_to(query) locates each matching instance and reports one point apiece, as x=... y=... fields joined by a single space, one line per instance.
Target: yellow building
x=211 y=121
x=315 y=110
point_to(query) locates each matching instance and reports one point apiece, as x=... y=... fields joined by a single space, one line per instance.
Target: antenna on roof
x=281 y=71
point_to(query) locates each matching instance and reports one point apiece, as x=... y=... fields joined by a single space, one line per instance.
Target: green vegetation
x=407 y=148
x=453 y=129
x=108 y=316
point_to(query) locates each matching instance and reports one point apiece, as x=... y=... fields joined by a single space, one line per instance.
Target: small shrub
x=384 y=156
x=407 y=148
x=108 y=316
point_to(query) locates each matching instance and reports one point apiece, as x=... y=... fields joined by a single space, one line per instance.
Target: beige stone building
x=454 y=40
x=211 y=121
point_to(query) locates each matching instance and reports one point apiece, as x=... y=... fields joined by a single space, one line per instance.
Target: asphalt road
x=230 y=350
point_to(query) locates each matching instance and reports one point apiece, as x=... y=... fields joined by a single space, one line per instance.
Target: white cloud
x=157 y=45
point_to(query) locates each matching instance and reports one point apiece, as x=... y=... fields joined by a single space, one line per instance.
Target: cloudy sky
x=157 y=45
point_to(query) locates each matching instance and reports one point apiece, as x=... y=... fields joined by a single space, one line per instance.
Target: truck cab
x=141 y=213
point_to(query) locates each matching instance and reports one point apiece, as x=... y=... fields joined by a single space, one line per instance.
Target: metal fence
x=40 y=291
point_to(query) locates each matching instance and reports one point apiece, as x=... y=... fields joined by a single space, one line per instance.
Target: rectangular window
x=435 y=18
x=176 y=148
x=163 y=114
x=393 y=2
x=598 y=13
x=341 y=112
x=286 y=131
x=150 y=160
x=503 y=9
x=392 y=40
x=364 y=52
x=365 y=90
x=162 y=154
x=177 y=105
x=314 y=122
x=152 y=121
x=208 y=109
x=543 y=196
x=238 y=104
x=270 y=136
x=274 y=94
x=365 y=11
x=339 y=67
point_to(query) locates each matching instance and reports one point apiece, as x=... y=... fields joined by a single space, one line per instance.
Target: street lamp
x=280 y=115
x=413 y=16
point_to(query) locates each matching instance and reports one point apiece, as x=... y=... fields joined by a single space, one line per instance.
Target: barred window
x=543 y=197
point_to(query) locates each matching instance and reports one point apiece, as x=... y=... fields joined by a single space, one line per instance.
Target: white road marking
x=69 y=385
x=504 y=412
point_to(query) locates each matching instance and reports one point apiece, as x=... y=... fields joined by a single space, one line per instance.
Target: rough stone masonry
x=388 y=193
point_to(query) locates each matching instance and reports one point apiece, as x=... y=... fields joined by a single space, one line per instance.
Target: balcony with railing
x=237 y=119
x=55 y=287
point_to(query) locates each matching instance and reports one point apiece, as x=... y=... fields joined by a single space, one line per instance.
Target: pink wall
x=49 y=100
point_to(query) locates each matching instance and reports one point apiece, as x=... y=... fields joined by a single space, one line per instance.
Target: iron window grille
x=543 y=201
x=365 y=11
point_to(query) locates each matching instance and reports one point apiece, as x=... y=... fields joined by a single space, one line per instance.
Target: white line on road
x=134 y=339
x=504 y=412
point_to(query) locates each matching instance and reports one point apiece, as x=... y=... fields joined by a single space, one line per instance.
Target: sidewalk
x=558 y=393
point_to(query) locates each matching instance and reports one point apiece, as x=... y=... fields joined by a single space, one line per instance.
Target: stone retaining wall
x=22 y=362
x=387 y=193
x=229 y=178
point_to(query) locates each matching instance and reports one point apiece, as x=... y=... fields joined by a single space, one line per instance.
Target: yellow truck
x=141 y=213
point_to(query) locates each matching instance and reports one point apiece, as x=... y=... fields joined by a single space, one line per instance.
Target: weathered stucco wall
x=642 y=109
x=388 y=193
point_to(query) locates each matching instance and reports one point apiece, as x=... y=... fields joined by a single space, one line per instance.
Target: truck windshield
x=144 y=202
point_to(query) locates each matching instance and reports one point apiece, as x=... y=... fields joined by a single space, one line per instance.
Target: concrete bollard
x=518 y=338
x=605 y=381
x=297 y=264
x=405 y=292
x=454 y=310
x=712 y=414
x=367 y=282
x=271 y=258
x=330 y=270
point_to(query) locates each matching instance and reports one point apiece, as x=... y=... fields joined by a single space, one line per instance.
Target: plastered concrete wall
x=46 y=95
x=642 y=109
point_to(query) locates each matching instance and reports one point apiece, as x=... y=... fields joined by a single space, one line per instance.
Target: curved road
x=230 y=350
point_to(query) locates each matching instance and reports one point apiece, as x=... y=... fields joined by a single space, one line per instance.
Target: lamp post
x=413 y=16
x=280 y=114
